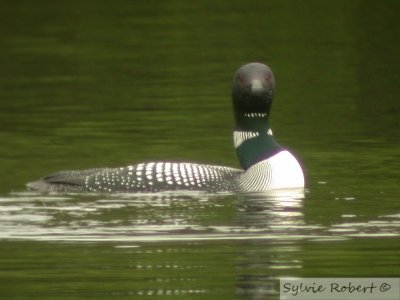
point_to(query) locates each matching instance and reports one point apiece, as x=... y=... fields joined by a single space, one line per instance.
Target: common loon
x=266 y=165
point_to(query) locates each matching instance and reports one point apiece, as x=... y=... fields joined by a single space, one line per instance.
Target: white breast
x=281 y=171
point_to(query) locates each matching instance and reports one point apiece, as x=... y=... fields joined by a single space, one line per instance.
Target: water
x=98 y=84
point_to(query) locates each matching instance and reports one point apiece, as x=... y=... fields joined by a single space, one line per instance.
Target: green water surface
x=108 y=83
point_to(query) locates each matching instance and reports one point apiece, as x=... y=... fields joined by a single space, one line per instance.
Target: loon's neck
x=254 y=142
x=252 y=122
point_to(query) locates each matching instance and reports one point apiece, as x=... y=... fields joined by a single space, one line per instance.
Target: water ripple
x=176 y=217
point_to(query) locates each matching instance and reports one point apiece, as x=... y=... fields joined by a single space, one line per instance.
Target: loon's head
x=252 y=93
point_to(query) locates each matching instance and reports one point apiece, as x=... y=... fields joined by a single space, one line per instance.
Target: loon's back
x=143 y=177
x=266 y=165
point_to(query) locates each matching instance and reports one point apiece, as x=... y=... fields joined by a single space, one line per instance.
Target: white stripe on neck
x=241 y=136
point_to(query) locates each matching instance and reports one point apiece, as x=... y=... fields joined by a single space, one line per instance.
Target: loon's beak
x=256 y=86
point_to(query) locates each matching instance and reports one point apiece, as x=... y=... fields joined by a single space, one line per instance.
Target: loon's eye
x=241 y=79
x=267 y=76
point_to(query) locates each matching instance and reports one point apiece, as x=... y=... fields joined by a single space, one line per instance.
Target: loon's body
x=266 y=165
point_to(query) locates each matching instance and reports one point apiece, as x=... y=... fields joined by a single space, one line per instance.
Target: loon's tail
x=39 y=185
x=64 y=181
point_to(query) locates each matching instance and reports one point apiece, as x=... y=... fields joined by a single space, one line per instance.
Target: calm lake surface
x=99 y=83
